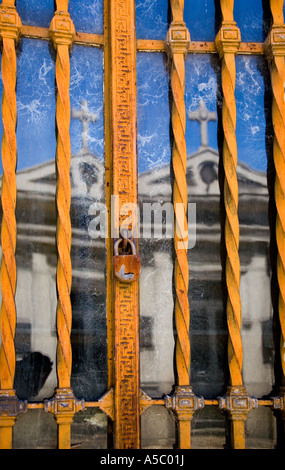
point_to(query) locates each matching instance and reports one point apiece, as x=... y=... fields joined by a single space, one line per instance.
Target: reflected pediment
x=86 y=172
x=202 y=174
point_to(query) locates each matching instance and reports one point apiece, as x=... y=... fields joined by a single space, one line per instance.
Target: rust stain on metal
x=127 y=267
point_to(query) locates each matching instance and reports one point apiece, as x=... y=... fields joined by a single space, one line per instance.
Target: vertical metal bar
x=183 y=402
x=126 y=317
x=63 y=405
x=10 y=26
x=227 y=49
x=108 y=198
x=237 y=403
x=275 y=50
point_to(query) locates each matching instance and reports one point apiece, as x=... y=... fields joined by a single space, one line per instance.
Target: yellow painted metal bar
x=180 y=201
x=123 y=120
x=10 y=26
x=182 y=402
x=237 y=403
x=64 y=404
x=227 y=49
x=277 y=42
x=143 y=45
x=275 y=48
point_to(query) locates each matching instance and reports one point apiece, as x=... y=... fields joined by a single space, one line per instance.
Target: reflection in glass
x=253 y=109
x=89 y=374
x=36 y=296
x=154 y=186
x=254 y=225
x=36 y=258
x=208 y=331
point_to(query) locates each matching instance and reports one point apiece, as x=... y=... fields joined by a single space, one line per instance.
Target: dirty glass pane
x=252 y=110
x=208 y=429
x=88 y=294
x=36 y=296
x=36 y=258
x=154 y=187
x=261 y=429
x=158 y=428
x=87 y=15
x=200 y=19
x=35 y=429
x=35 y=13
x=88 y=430
x=250 y=18
x=208 y=331
x=255 y=176
x=151 y=19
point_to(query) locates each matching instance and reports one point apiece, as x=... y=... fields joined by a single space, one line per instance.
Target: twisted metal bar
x=231 y=223
x=178 y=40
x=62 y=31
x=63 y=198
x=10 y=25
x=8 y=229
x=9 y=32
x=278 y=116
x=64 y=404
x=237 y=403
x=227 y=43
x=275 y=47
x=183 y=402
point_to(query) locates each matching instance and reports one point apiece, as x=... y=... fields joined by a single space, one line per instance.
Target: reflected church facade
x=36 y=289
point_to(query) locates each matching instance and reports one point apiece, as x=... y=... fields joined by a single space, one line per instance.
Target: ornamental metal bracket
x=177 y=39
x=237 y=403
x=10 y=405
x=184 y=402
x=275 y=42
x=279 y=402
x=145 y=401
x=106 y=403
x=228 y=38
x=10 y=22
x=64 y=405
x=62 y=30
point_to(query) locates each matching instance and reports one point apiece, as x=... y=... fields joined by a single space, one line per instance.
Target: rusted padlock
x=126 y=267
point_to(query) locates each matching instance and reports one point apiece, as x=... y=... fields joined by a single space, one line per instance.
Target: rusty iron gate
x=124 y=401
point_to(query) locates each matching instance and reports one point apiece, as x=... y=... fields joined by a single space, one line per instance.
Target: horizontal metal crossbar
x=143 y=45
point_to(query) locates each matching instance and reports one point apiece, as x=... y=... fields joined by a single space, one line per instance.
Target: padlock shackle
x=119 y=241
